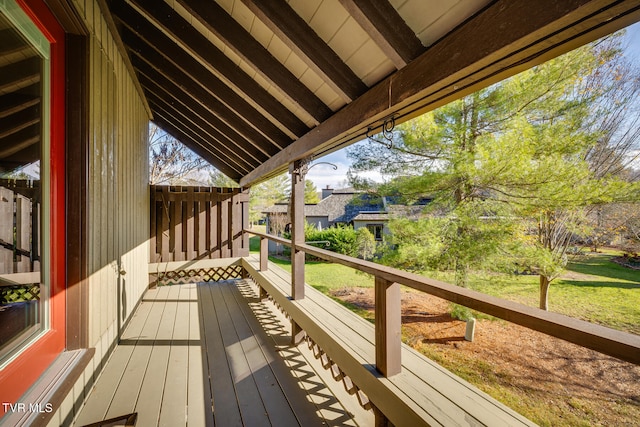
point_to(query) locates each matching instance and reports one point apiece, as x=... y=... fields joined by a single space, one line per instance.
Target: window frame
x=373 y=229
x=22 y=370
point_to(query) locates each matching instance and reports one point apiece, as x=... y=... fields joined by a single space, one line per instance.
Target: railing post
x=298 y=170
x=388 y=324
x=264 y=254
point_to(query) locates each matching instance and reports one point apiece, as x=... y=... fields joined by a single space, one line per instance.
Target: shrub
x=340 y=239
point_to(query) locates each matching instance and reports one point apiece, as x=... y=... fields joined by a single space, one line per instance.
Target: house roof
x=282 y=208
x=253 y=85
x=372 y=216
x=342 y=206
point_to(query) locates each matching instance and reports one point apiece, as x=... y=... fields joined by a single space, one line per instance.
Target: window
x=376 y=230
x=24 y=112
x=32 y=194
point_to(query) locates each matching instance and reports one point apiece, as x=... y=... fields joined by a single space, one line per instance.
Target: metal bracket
x=386 y=131
x=299 y=168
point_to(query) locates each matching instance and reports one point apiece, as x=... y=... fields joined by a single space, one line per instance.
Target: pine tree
x=510 y=169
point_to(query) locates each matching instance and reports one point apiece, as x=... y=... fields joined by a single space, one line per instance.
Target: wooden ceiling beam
x=285 y=23
x=173 y=96
x=387 y=29
x=12 y=42
x=200 y=116
x=17 y=101
x=223 y=26
x=477 y=54
x=237 y=141
x=199 y=136
x=23 y=157
x=170 y=25
x=165 y=123
x=19 y=141
x=20 y=73
x=170 y=76
x=18 y=121
x=171 y=56
x=213 y=136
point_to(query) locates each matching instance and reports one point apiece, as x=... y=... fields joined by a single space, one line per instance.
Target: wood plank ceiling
x=252 y=85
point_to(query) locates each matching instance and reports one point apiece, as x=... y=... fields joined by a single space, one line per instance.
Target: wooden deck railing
x=624 y=346
x=19 y=226
x=189 y=223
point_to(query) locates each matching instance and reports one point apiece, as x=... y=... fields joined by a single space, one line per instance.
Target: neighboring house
x=377 y=222
x=345 y=207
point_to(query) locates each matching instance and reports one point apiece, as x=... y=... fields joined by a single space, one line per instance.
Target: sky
x=324 y=175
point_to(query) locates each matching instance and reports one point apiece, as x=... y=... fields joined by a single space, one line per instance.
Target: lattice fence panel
x=20 y=293
x=179 y=277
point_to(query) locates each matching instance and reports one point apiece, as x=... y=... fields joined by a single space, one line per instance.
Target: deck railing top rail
x=622 y=345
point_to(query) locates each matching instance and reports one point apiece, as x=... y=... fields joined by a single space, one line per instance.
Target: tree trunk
x=461 y=274
x=544 y=292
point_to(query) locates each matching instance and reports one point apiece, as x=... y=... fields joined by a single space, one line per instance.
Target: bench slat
x=423 y=392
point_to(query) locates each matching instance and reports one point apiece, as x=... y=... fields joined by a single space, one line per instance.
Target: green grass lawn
x=592 y=288
x=327 y=277
x=254 y=241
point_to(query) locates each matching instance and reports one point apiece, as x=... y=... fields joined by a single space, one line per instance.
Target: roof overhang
x=252 y=86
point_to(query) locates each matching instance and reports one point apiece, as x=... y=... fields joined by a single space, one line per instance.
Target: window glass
x=23 y=139
x=376 y=230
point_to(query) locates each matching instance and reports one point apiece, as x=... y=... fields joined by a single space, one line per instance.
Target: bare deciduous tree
x=171 y=162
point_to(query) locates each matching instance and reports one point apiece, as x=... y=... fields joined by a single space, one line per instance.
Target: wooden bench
x=423 y=393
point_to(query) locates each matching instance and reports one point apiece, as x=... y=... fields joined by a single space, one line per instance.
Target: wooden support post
x=380 y=419
x=264 y=254
x=297 y=334
x=191 y=224
x=245 y=223
x=298 y=170
x=164 y=240
x=388 y=324
x=263 y=294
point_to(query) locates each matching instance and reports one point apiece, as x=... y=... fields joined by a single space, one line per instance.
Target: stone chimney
x=326 y=192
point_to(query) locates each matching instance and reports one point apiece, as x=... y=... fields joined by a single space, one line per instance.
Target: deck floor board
x=260 y=363
x=203 y=354
x=224 y=402
x=150 y=398
x=174 y=402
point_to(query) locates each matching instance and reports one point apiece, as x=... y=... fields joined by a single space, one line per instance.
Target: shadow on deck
x=213 y=353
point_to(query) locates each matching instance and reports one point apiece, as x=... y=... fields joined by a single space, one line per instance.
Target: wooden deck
x=213 y=354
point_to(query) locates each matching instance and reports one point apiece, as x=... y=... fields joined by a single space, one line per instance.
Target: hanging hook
x=386 y=131
x=335 y=168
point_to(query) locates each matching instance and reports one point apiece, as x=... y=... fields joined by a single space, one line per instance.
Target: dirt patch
x=571 y=383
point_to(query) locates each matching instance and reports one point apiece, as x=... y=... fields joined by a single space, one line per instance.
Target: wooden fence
x=189 y=223
x=19 y=226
